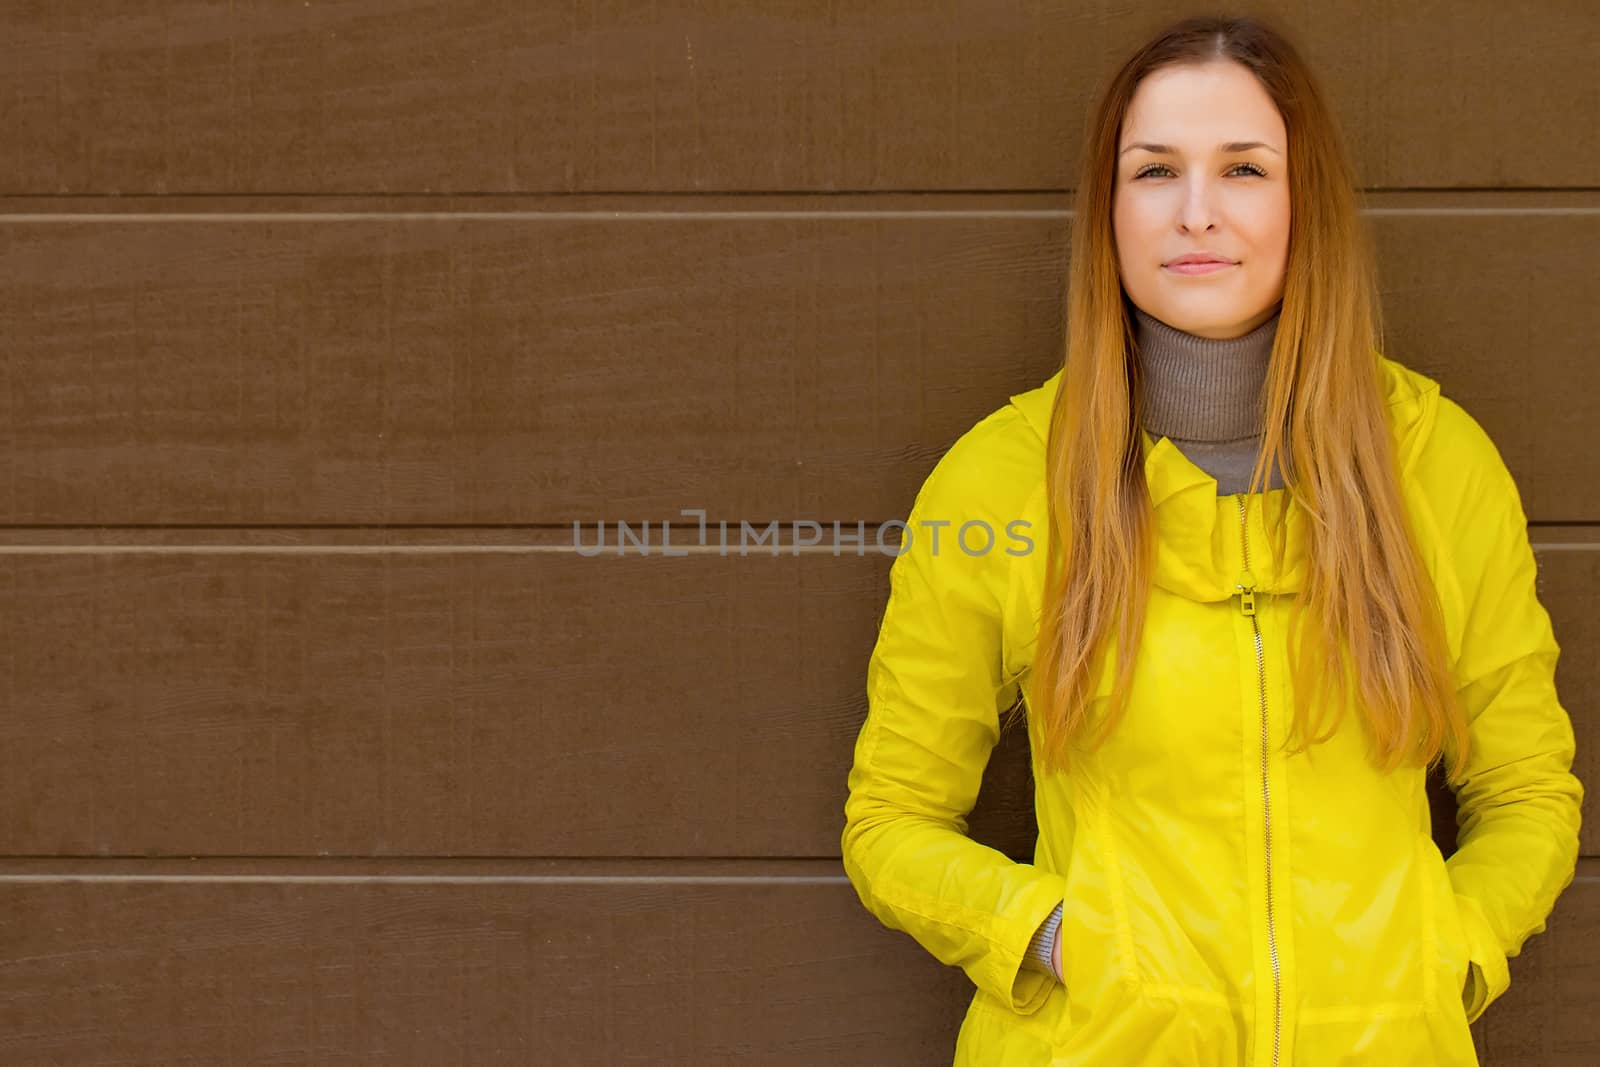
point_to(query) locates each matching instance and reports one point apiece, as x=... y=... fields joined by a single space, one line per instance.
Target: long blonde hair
x=1325 y=427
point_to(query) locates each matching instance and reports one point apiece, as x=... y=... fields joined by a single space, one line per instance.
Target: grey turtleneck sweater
x=1204 y=395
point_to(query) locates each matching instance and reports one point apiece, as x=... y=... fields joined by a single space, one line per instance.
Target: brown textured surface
x=432 y=693
x=482 y=96
x=274 y=368
x=320 y=322
x=577 y=962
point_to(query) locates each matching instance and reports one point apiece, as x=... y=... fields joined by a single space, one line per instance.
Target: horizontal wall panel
x=116 y=962
x=368 y=96
x=410 y=704
x=302 y=370
x=779 y=966
x=482 y=699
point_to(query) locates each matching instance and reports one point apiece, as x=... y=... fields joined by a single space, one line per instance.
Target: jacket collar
x=1200 y=554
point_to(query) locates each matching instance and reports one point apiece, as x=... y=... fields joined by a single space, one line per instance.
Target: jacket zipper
x=1247 y=604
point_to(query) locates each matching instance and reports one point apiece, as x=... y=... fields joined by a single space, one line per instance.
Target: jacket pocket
x=1472 y=966
x=997 y=1032
x=1452 y=961
x=1097 y=945
x=1095 y=941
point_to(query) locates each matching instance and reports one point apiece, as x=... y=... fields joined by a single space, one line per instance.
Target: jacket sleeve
x=935 y=688
x=1518 y=805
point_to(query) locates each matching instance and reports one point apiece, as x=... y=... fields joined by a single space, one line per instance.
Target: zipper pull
x=1247 y=593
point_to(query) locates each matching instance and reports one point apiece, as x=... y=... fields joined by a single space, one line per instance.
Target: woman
x=1321 y=569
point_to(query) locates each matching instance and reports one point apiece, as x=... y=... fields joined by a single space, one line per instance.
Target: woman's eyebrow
x=1230 y=146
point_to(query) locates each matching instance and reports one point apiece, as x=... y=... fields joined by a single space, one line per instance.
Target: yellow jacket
x=1224 y=903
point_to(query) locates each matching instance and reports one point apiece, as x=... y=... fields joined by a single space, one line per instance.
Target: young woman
x=1251 y=579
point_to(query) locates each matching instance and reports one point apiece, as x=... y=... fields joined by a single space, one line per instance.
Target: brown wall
x=321 y=322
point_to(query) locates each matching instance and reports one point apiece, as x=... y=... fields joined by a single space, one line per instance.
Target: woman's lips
x=1198 y=268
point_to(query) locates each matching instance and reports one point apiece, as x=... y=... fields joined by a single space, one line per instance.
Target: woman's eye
x=1162 y=166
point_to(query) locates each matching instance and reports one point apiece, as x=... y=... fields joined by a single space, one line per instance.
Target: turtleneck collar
x=1199 y=389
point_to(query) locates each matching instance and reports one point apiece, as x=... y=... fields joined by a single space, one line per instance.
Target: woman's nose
x=1197 y=210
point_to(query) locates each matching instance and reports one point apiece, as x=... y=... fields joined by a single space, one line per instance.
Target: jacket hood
x=1200 y=554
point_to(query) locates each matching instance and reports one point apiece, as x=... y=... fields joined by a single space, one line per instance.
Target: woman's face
x=1185 y=184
